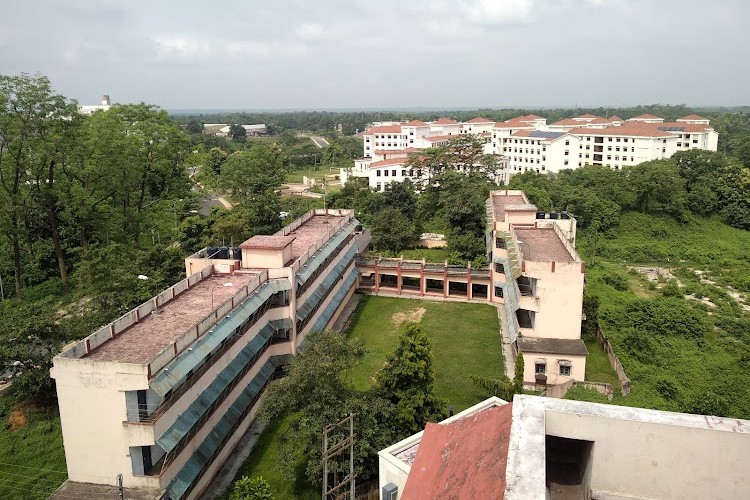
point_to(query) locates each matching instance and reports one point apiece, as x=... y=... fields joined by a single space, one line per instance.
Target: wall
x=577 y=370
x=658 y=457
x=91 y=400
x=560 y=295
x=259 y=258
x=614 y=361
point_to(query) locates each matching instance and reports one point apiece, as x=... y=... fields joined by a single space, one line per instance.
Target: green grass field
x=32 y=459
x=598 y=368
x=465 y=340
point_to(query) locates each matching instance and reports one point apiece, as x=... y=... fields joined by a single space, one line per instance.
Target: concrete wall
x=91 y=400
x=560 y=297
x=577 y=370
x=260 y=258
x=666 y=456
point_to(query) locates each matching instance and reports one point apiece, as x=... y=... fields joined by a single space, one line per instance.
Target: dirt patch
x=702 y=300
x=17 y=420
x=413 y=316
x=655 y=274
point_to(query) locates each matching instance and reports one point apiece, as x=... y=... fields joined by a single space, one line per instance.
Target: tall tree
x=32 y=118
x=408 y=379
x=254 y=171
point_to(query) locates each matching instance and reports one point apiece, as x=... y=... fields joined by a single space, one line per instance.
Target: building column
x=468 y=282
x=398 y=279
x=377 y=277
x=445 y=280
x=422 y=280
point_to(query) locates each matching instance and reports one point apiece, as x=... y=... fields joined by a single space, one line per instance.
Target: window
x=499 y=268
x=385 y=173
x=565 y=162
x=567 y=142
x=540 y=367
x=565 y=367
x=377 y=173
x=393 y=173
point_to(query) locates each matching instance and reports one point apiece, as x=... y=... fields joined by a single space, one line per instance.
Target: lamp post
x=227 y=284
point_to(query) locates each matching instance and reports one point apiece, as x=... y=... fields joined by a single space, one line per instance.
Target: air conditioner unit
x=389 y=492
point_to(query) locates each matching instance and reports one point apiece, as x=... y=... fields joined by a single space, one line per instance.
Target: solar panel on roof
x=544 y=134
x=671 y=129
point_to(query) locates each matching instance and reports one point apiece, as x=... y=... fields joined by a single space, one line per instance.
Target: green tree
x=392 y=231
x=246 y=488
x=237 y=132
x=658 y=187
x=194 y=127
x=518 y=374
x=254 y=171
x=408 y=379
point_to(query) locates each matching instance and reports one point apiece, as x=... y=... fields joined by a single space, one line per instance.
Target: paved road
x=319 y=141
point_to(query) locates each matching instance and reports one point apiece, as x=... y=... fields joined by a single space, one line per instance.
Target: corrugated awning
x=320 y=292
x=191 y=471
x=335 y=302
x=175 y=372
x=324 y=252
x=209 y=396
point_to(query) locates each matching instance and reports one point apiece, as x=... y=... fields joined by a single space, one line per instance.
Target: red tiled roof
x=691 y=117
x=527 y=133
x=479 y=119
x=415 y=123
x=396 y=151
x=445 y=121
x=519 y=121
x=264 y=242
x=615 y=119
x=686 y=127
x=629 y=128
x=387 y=163
x=645 y=116
x=384 y=129
x=440 y=138
x=464 y=459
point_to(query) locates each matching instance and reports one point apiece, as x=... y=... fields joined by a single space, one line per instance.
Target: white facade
x=89 y=109
x=530 y=144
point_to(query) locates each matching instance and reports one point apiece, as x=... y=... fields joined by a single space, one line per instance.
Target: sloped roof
x=569 y=347
x=415 y=123
x=691 y=118
x=440 y=138
x=384 y=129
x=387 y=163
x=479 y=119
x=445 y=121
x=519 y=121
x=629 y=128
x=646 y=116
x=464 y=459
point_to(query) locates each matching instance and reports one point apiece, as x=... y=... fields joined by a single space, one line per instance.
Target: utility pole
x=334 y=445
x=120 y=492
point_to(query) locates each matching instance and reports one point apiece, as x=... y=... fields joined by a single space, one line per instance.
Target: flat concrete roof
x=571 y=347
x=542 y=245
x=499 y=202
x=71 y=489
x=311 y=231
x=264 y=242
x=140 y=343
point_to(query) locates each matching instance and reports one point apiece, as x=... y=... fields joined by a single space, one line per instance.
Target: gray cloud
x=389 y=53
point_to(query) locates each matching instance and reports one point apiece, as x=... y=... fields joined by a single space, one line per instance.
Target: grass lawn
x=598 y=368
x=465 y=340
x=32 y=460
x=295 y=176
x=266 y=461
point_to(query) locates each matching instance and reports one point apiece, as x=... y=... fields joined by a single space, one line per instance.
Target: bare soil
x=413 y=316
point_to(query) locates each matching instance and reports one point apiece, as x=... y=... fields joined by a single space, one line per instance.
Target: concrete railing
x=204 y=325
x=559 y=391
x=111 y=330
x=614 y=361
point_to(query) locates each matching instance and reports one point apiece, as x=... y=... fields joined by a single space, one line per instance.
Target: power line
x=55 y=471
x=30 y=488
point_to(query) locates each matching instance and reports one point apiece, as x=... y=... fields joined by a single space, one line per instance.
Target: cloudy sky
x=300 y=54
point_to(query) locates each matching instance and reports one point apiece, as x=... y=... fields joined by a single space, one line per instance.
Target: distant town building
x=528 y=143
x=104 y=105
x=222 y=129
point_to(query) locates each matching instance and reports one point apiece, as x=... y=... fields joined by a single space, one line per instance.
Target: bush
x=256 y=488
x=616 y=280
x=581 y=393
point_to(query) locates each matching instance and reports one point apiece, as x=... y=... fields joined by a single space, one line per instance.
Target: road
x=319 y=141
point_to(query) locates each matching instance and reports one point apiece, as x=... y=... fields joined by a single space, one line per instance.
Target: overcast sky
x=299 y=54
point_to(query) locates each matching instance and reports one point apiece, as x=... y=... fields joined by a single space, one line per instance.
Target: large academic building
x=528 y=144
x=163 y=394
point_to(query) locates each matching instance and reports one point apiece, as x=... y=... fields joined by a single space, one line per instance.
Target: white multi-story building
x=162 y=395
x=528 y=143
x=89 y=109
